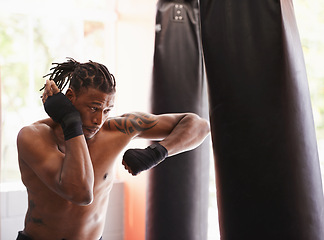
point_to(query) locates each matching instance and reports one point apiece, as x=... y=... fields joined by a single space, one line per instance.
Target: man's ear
x=70 y=94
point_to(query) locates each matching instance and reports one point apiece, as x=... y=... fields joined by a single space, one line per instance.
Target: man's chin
x=88 y=137
x=89 y=134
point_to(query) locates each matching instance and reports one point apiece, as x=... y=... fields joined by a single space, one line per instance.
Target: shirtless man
x=67 y=161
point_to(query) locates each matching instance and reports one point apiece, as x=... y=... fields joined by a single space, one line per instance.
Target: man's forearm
x=189 y=133
x=180 y=133
x=77 y=176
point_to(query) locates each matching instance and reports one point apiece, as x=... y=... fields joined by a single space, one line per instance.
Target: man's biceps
x=167 y=123
x=158 y=132
x=171 y=119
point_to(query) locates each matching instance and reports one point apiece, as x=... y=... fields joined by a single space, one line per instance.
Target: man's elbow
x=83 y=198
x=76 y=194
x=201 y=123
x=205 y=126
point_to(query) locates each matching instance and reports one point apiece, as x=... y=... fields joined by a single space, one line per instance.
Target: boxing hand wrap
x=61 y=110
x=139 y=160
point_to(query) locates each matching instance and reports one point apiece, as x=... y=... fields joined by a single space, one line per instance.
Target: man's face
x=94 y=107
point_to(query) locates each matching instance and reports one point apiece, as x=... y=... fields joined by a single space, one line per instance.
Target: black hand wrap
x=142 y=159
x=61 y=110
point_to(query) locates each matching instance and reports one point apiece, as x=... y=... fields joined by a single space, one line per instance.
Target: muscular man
x=67 y=161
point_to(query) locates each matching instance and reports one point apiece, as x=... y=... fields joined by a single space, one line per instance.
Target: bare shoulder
x=34 y=137
x=35 y=130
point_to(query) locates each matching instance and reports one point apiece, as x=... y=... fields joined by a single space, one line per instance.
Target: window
x=310 y=21
x=31 y=39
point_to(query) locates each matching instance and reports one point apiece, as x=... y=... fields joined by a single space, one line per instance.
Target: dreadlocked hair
x=82 y=75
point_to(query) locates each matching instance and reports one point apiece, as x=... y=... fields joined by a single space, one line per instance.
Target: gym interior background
x=120 y=34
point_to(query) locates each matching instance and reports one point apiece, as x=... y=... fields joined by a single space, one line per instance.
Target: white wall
x=13 y=199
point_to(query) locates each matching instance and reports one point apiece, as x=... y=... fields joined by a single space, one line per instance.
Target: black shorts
x=22 y=236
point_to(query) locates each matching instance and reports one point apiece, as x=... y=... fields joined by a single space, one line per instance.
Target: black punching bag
x=177 y=203
x=267 y=169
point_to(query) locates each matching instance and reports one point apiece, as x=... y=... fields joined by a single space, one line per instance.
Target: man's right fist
x=61 y=110
x=58 y=106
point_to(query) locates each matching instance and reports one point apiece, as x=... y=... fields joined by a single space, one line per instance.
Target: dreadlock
x=82 y=75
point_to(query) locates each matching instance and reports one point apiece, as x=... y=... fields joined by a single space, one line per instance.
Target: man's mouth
x=91 y=130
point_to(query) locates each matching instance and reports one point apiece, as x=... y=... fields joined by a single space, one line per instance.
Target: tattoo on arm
x=129 y=123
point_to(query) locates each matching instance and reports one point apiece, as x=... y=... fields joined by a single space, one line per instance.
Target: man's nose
x=97 y=119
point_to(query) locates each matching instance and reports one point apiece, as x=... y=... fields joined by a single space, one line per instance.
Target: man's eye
x=106 y=111
x=93 y=109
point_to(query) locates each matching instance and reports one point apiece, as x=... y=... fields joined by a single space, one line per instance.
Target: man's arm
x=176 y=132
x=70 y=174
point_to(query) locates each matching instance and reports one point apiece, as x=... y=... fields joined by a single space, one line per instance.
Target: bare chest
x=104 y=165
